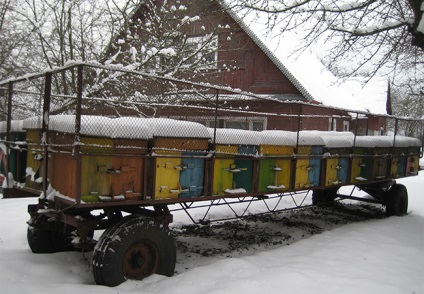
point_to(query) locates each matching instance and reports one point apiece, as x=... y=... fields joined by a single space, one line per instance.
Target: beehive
x=179 y=149
x=14 y=160
x=336 y=150
x=95 y=154
x=362 y=159
x=308 y=163
x=35 y=154
x=233 y=164
x=276 y=150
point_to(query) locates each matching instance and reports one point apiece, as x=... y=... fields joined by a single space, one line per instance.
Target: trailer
x=95 y=170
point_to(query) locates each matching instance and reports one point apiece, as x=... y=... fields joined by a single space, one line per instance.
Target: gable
x=239 y=59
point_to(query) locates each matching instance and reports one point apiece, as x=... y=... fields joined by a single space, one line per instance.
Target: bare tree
x=365 y=36
x=165 y=38
x=409 y=103
x=41 y=34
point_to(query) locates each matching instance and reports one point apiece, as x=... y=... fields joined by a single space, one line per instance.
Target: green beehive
x=276 y=150
x=235 y=151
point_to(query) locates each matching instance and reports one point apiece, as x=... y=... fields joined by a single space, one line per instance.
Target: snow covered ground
x=325 y=255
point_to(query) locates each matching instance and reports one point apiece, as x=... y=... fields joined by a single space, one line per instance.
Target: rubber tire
x=49 y=237
x=324 y=196
x=109 y=253
x=396 y=200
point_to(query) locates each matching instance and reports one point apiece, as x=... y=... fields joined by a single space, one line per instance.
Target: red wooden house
x=204 y=42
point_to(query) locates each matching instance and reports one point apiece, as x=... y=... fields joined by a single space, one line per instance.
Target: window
x=332 y=124
x=202 y=51
x=258 y=125
x=345 y=126
x=242 y=125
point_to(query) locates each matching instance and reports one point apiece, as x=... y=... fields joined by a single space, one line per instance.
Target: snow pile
x=402 y=141
x=311 y=138
x=90 y=125
x=32 y=123
x=383 y=141
x=386 y=141
x=165 y=127
x=147 y=128
x=131 y=128
x=235 y=137
x=277 y=137
x=365 y=142
x=15 y=126
x=337 y=139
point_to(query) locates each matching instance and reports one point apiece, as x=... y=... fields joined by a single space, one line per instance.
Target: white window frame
x=210 y=120
x=194 y=43
x=332 y=124
x=346 y=126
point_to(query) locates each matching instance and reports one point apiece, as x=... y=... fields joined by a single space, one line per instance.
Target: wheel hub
x=140 y=260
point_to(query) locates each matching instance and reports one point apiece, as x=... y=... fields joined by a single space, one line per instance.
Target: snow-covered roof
x=277 y=137
x=402 y=141
x=15 y=126
x=311 y=138
x=166 y=127
x=235 y=136
x=131 y=128
x=148 y=128
x=307 y=73
x=34 y=122
x=334 y=139
x=90 y=125
x=387 y=141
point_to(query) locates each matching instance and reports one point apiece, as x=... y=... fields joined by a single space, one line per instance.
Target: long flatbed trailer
x=122 y=174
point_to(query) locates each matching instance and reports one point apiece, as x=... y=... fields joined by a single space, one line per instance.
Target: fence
x=100 y=123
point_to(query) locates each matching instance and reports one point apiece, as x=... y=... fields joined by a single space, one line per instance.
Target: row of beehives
x=164 y=158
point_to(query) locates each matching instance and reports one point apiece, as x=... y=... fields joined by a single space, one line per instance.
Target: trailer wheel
x=134 y=248
x=324 y=196
x=396 y=200
x=48 y=237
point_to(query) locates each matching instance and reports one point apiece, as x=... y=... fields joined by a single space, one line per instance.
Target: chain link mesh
x=115 y=118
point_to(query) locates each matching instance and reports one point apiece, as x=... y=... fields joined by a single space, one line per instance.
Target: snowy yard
x=346 y=249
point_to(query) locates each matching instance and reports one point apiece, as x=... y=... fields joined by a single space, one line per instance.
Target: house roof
x=310 y=78
x=308 y=74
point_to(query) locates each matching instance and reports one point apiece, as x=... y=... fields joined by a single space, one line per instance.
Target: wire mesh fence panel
x=21 y=133
x=107 y=133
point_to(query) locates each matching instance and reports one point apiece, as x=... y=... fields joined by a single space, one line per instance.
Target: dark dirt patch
x=202 y=244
